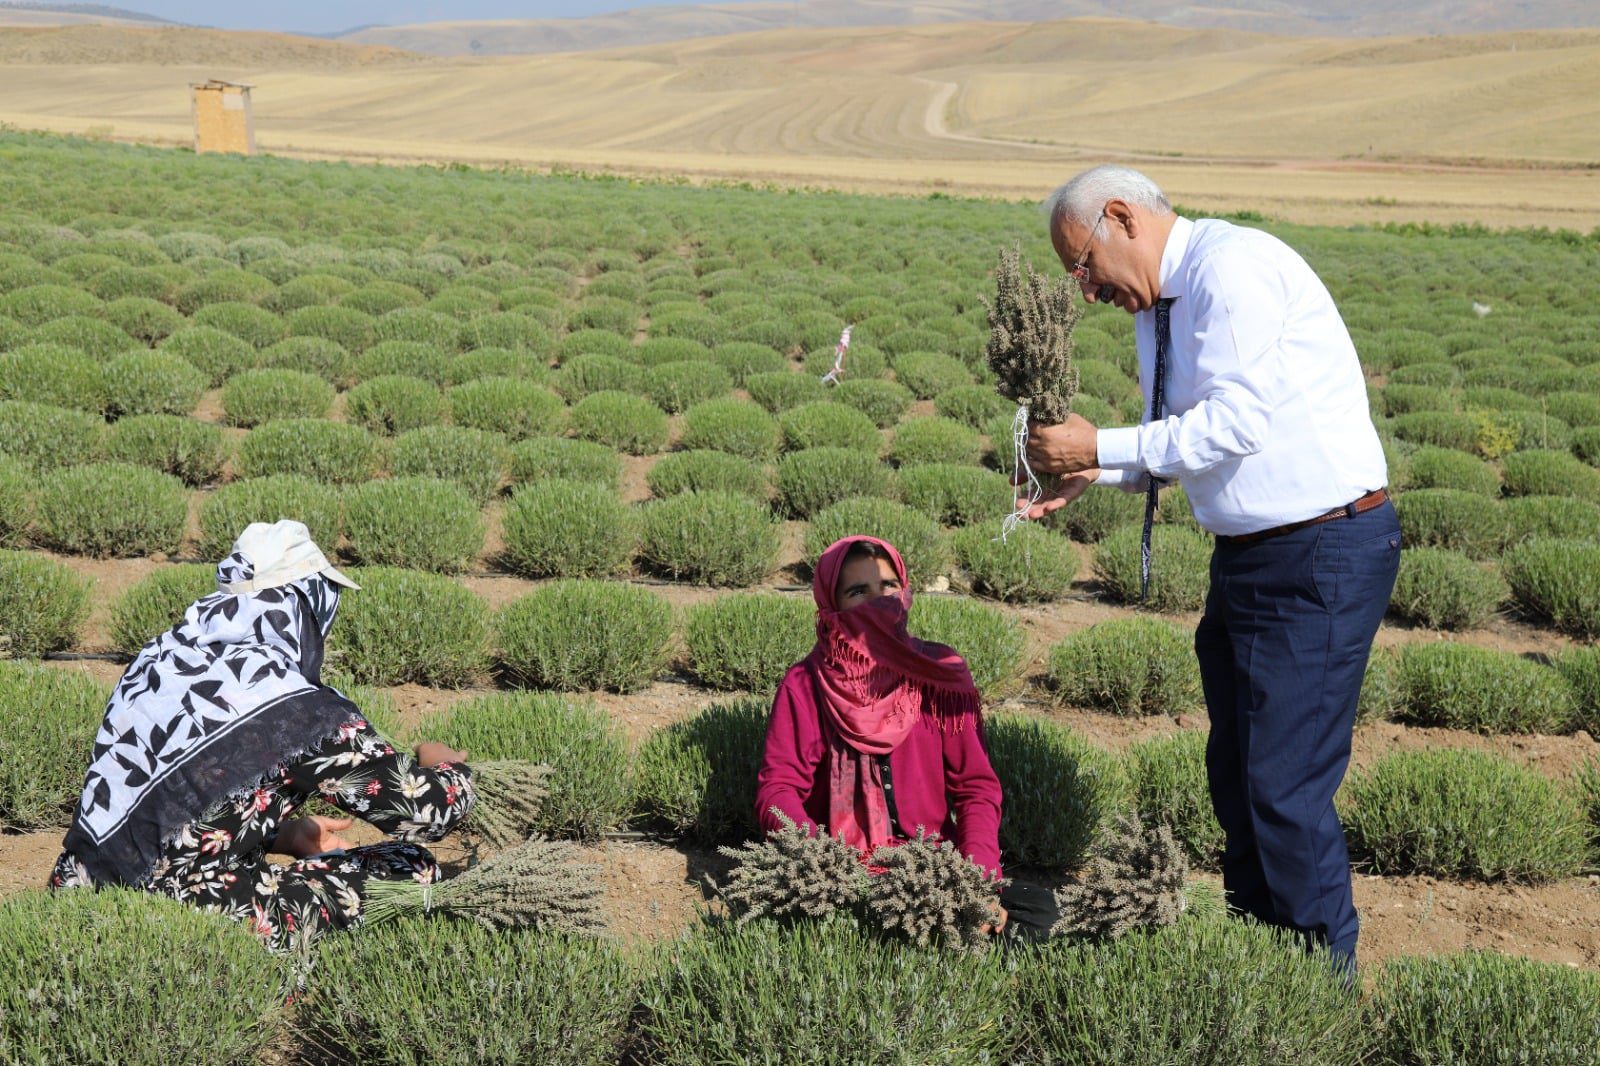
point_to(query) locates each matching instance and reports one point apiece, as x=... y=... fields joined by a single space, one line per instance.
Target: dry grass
x=1497 y=128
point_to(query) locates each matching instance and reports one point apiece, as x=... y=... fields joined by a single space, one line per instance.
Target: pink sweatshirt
x=942 y=778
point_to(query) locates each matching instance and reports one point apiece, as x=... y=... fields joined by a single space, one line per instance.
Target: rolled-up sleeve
x=1238 y=315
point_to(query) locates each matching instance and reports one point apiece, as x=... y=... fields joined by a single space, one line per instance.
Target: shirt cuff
x=1116 y=478
x=1118 y=449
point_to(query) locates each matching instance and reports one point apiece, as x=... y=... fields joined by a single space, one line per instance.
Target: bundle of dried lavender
x=793 y=874
x=932 y=894
x=1135 y=879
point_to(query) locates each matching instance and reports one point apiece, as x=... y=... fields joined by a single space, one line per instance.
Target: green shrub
x=815 y=478
x=559 y=1000
x=1198 y=992
x=1060 y=790
x=251 y=324
x=157 y=602
x=1576 y=409
x=421 y=522
x=560 y=528
x=709 y=538
x=393 y=404
x=1442 y=589
x=52 y=374
x=226 y=512
x=732 y=426
x=1444 y=429
x=742 y=359
x=417 y=324
x=310 y=355
x=188 y=449
x=974 y=406
x=1481 y=1006
x=697 y=777
x=1171 y=787
x=748 y=640
x=1581 y=667
x=406 y=625
x=1466 y=687
x=990 y=642
x=927 y=374
x=1446 y=468
x=46 y=437
x=1382 y=690
x=1528 y=517
x=16 y=501
x=784 y=390
x=406 y=358
x=1558 y=580
x=349 y=328
x=328 y=451
x=956 y=495
x=36 y=305
x=589 y=786
x=515 y=407
x=497 y=363
x=42 y=605
x=585 y=375
x=918 y=539
x=675 y=387
x=148 y=383
x=111 y=509
x=828 y=425
x=881 y=401
x=91 y=336
x=1032 y=565
x=1433 y=375
x=257 y=396
x=1450 y=518
x=217 y=355
x=473 y=459
x=728 y=993
x=48 y=721
x=1586 y=444
x=706 y=471
x=1548 y=473
x=145 y=320
x=1535 y=430
x=543 y=458
x=622 y=421
x=1128 y=666
x=93 y=977
x=935 y=440
x=863 y=362
x=576 y=635
x=1180 y=570
x=1095 y=515
x=1453 y=813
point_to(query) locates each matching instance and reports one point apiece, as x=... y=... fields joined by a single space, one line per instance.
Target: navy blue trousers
x=1283 y=645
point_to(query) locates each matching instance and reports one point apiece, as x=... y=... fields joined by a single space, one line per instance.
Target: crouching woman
x=877 y=733
x=221 y=729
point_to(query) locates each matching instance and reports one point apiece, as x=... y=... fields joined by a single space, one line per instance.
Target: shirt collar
x=1172 y=282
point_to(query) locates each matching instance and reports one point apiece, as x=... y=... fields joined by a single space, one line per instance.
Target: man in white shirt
x=1256 y=402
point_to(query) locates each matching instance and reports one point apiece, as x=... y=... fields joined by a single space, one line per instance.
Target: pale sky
x=331 y=16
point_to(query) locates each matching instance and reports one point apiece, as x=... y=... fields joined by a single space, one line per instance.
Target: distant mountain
x=81 y=13
x=656 y=25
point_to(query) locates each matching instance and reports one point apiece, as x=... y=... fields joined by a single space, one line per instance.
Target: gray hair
x=1080 y=200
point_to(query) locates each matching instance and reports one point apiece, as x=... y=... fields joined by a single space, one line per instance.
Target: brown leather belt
x=1375 y=498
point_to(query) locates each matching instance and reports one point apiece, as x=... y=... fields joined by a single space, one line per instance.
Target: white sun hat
x=281 y=552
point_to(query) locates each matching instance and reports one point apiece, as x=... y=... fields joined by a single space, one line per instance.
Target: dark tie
x=1158 y=383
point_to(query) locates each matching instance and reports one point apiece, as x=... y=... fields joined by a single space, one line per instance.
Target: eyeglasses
x=1080 y=269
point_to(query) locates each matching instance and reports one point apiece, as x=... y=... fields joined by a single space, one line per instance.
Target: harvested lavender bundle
x=538 y=884
x=1135 y=879
x=793 y=874
x=932 y=893
x=1030 y=350
x=509 y=795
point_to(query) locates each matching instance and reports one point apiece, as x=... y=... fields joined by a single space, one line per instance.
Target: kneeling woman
x=221 y=728
x=876 y=732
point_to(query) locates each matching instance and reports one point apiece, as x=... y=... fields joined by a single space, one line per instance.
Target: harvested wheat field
x=1497 y=129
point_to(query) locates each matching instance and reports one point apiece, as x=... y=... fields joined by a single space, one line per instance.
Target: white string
x=427 y=897
x=832 y=376
x=1019 y=467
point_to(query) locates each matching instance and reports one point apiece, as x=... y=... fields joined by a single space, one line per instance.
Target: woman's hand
x=312 y=835
x=432 y=753
x=1001 y=917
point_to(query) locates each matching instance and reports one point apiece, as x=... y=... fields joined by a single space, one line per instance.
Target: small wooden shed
x=222 y=120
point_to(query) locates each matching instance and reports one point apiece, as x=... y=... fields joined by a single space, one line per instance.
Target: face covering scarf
x=875 y=681
x=206 y=710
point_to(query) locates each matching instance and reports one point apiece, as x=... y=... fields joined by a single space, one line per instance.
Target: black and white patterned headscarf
x=207 y=710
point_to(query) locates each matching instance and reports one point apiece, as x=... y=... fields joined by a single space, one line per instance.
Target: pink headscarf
x=876 y=680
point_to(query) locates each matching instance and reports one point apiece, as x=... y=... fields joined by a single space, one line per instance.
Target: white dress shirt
x=1265 y=414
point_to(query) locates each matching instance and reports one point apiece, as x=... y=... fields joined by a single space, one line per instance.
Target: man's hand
x=1068 y=448
x=313 y=835
x=432 y=753
x=1067 y=489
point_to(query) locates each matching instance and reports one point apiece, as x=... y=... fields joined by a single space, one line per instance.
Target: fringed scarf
x=207 y=709
x=875 y=682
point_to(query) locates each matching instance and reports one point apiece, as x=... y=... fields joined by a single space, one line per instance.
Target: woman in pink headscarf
x=877 y=733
